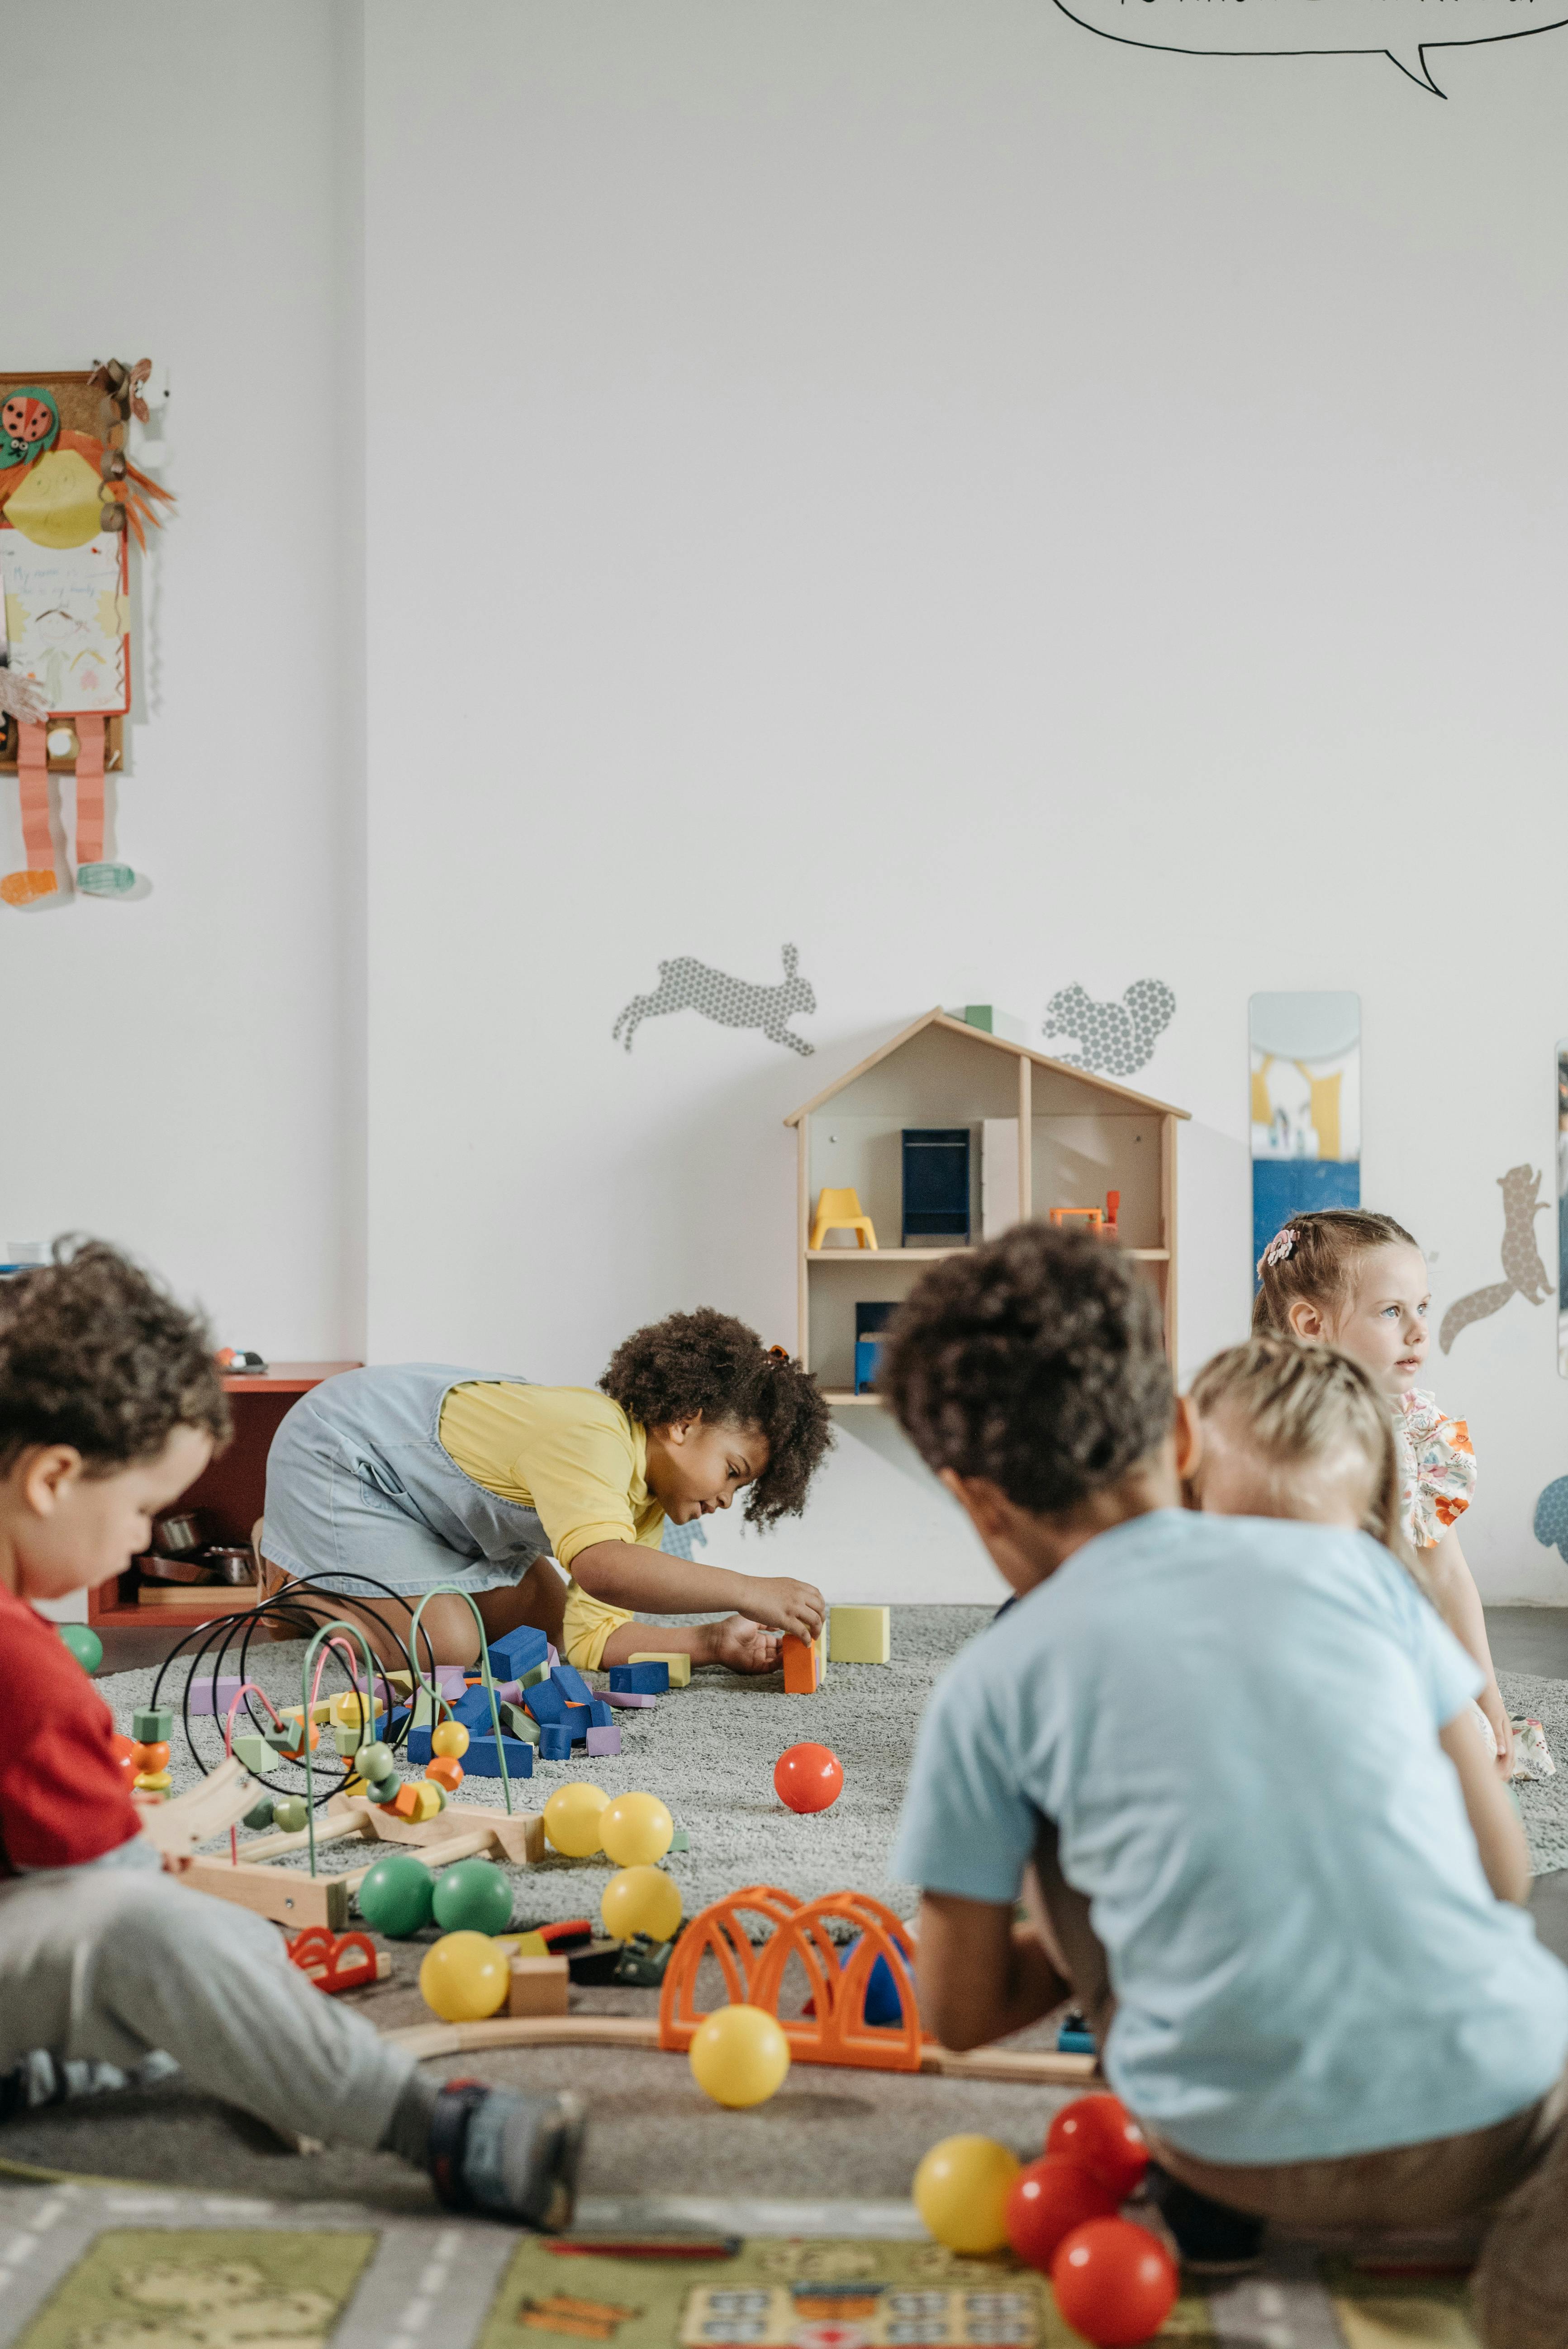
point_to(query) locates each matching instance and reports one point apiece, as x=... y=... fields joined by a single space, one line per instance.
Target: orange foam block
x=802 y=1666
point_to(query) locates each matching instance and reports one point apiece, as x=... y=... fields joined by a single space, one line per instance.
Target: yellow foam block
x=680 y=1666
x=859 y=1635
x=523 y=1945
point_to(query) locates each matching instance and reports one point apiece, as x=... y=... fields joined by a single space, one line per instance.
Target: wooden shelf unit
x=231 y=1491
x=1088 y=1135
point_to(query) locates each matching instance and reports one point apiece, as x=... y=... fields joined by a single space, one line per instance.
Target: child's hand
x=1491 y=1704
x=784 y=1605
x=742 y=1646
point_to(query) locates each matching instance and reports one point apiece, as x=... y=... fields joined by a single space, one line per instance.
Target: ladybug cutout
x=29 y=423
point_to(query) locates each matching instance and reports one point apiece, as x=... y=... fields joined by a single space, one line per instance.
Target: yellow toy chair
x=840 y=1211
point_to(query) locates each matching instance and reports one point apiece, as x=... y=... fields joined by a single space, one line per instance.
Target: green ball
x=374 y=1762
x=261 y=1816
x=385 y=1790
x=394 y=1898
x=291 y=1813
x=85 y=1645
x=473 y=1897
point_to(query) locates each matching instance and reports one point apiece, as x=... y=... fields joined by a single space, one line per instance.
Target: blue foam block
x=600 y=1715
x=578 y=1722
x=518 y=1652
x=472 y=1708
x=418 y=1750
x=480 y=1760
x=547 y=1703
x=571 y=1684
x=883 y=2005
x=641 y=1679
x=555 y=1742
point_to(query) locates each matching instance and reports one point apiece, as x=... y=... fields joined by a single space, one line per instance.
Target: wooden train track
x=1047 y=2069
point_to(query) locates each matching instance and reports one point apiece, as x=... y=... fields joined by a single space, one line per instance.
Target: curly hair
x=1317 y=1262
x=1036 y=1360
x=709 y=1362
x=93 y=1353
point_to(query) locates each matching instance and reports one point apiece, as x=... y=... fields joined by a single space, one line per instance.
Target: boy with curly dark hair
x=423 y=1475
x=111 y=1406
x=1232 y=1755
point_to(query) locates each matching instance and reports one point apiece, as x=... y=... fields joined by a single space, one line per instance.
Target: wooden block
x=539 y=1986
x=405 y=1803
x=859 y=1635
x=680 y=1665
x=802 y=1666
x=285 y=1896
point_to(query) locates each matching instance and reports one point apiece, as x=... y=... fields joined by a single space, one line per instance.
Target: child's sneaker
x=1211 y=2239
x=494 y=2149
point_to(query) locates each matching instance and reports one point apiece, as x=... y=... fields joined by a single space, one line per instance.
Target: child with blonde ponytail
x=1347 y=1278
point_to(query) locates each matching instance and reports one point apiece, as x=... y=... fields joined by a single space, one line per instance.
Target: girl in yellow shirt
x=422 y=1473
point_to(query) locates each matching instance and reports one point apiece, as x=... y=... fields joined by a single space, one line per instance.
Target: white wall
x=994 y=507
x=990 y=505
x=174 y=1070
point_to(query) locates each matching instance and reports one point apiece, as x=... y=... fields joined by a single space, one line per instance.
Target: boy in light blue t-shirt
x=1279 y=1871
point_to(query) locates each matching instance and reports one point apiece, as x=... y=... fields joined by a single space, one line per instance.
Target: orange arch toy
x=838 y=2033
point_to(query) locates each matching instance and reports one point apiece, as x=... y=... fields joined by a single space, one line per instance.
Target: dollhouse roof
x=983 y=1041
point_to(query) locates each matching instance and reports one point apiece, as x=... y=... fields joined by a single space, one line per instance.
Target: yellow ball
x=739 y=2056
x=465 y=1977
x=451 y=1738
x=572 y=1818
x=961 y=2192
x=636 y=1830
x=641 y=1900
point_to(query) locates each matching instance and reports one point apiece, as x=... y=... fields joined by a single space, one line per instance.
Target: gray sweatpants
x=108 y=1963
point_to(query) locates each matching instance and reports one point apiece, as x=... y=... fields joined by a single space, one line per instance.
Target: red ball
x=808 y=1777
x=1046 y=2201
x=125 y=1751
x=1114 y=2283
x=1100 y=2134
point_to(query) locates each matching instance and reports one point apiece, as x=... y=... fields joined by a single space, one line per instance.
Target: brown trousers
x=1504 y=2187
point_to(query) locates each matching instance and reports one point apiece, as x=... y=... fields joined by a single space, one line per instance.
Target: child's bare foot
x=740 y=1645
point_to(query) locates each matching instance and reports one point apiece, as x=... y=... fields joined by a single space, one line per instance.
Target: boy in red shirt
x=109 y=1406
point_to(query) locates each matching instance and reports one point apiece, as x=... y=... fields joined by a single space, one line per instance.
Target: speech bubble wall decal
x=1401 y=30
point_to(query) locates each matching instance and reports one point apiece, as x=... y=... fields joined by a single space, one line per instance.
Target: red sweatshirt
x=63 y=1798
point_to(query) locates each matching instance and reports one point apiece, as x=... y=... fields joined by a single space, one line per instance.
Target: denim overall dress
x=360 y=1482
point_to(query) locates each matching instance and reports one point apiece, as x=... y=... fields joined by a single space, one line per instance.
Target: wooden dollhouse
x=1086 y=1138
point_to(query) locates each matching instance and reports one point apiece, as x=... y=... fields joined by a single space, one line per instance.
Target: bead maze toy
x=753 y=1975
x=359 y=1785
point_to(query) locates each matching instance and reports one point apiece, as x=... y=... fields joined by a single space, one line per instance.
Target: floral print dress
x=1437 y=1466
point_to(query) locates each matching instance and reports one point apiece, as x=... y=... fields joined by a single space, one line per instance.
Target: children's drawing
x=66 y=619
x=70 y=500
x=1115 y=1039
x=1525 y=1275
x=1305 y=1111
x=687 y=985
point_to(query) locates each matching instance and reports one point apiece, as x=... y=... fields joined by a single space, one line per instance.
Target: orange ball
x=125 y=1751
x=447 y=1770
x=150 y=1759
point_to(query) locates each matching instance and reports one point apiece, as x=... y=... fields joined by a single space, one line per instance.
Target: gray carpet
x=708 y=1752
x=1544 y=1802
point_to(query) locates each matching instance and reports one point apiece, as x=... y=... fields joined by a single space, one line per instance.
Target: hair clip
x=779 y=1353
x=1281 y=1249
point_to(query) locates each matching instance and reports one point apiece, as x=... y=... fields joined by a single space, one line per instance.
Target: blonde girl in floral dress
x=1347 y=1278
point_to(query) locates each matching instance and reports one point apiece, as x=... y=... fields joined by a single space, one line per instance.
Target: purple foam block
x=449 y=1680
x=508 y=1692
x=550 y=1657
x=202 y=1694
x=627 y=1697
x=603 y=1741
